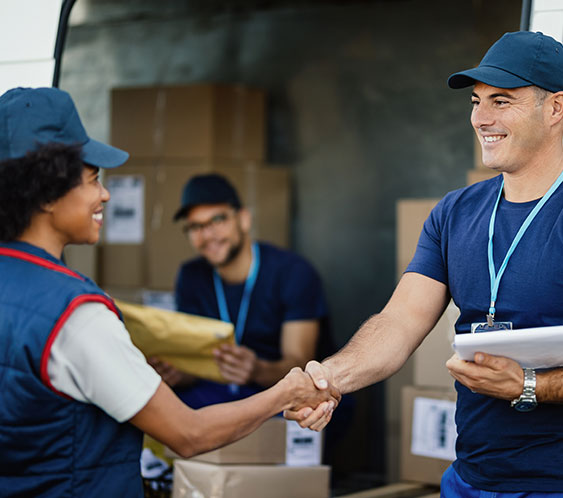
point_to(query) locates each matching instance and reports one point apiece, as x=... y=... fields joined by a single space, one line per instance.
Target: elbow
x=192 y=443
x=185 y=451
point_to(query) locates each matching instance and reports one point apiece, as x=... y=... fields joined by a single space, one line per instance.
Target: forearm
x=224 y=423
x=384 y=342
x=190 y=432
x=549 y=386
x=375 y=352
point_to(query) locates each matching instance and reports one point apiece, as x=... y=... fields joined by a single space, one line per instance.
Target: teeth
x=492 y=139
x=98 y=216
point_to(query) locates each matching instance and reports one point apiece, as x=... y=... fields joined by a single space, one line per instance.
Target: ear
x=48 y=208
x=245 y=218
x=556 y=107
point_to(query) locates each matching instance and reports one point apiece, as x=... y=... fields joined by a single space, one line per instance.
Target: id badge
x=485 y=327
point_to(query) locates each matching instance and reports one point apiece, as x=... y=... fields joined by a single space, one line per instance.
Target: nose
x=105 y=194
x=481 y=116
x=207 y=229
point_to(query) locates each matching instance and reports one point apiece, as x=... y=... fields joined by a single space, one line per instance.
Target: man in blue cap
x=74 y=391
x=495 y=248
x=273 y=296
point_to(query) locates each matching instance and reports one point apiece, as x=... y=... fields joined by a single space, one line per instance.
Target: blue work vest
x=51 y=445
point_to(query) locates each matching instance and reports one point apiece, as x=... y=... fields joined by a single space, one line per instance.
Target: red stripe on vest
x=77 y=301
x=14 y=253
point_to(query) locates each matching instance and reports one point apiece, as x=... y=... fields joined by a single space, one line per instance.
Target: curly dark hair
x=28 y=183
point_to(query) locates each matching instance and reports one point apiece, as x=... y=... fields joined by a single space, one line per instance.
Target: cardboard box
x=266 y=445
x=277 y=441
x=205 y=480
x=191 y=121
x=411 y=214
x=478 y=175
x=154 y=262
x=427 y=433
x=430 y=357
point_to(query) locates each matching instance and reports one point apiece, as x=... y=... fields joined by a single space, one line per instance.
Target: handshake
x=312 y=395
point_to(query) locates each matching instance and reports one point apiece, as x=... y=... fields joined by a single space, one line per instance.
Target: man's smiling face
x=510 y=124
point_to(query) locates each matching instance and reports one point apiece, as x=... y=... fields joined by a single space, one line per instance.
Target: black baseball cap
x=31 y=117
x=521 y=58
x=207 y=189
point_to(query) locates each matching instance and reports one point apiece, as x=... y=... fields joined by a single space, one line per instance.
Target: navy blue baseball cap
x=31 y=117
x=518 y=59
x=207 y=189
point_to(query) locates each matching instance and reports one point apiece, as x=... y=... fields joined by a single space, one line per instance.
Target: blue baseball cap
x=207 y=189
x=31 y=117
x=518 y=59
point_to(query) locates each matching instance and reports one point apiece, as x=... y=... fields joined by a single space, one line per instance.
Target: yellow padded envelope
x=183 y=340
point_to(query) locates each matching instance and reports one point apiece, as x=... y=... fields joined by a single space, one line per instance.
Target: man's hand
x=237 y=364
x=172 y=376
x=315 y=418
x=310 y=403
x=494 y=376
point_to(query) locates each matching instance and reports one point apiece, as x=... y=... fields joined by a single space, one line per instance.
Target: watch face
x=525 y=406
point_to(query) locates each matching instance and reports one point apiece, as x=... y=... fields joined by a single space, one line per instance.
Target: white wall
x=547 y=16
x=28 y=32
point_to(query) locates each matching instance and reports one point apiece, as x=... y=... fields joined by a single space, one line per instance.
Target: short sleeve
x=428 y=259
x=93 y=360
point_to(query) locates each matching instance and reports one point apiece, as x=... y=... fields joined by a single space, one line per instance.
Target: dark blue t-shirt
x=287 y=288
x=499 y=448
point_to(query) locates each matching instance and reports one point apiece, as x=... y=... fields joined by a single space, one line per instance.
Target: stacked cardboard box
x=428 y=433
x=426 y=368
x=276 y=461
x=173 y=133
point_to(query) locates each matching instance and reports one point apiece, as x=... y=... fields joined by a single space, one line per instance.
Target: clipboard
x=538 y=347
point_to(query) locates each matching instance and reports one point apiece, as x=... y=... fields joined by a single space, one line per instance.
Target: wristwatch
x=527 y=400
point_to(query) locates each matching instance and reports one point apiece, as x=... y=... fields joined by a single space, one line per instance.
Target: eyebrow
x=495 y=95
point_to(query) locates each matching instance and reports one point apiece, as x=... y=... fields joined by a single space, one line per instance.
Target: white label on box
x=433 y=428
x=303 y=446
x=125 y=212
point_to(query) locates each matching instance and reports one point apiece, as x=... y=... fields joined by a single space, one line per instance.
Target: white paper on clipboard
x=539 y=347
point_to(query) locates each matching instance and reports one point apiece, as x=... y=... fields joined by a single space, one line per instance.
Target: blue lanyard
x=495 y=277
x=247 y=292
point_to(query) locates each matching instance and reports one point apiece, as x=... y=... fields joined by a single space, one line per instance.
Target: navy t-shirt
x=499 y=448
x=287 y=288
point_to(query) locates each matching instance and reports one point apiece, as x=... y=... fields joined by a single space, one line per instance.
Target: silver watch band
x=528 y=396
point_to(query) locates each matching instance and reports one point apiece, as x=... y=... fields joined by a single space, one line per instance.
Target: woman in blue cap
x=74 y=391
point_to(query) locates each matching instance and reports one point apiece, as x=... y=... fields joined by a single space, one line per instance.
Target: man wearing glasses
x=272 y=296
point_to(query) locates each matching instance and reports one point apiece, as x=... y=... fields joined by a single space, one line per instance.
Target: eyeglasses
x=214 y=223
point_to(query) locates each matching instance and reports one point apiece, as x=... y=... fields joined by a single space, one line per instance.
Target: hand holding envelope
x=185 y=341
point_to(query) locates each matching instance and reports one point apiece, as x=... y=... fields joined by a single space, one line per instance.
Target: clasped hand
x=307 y=412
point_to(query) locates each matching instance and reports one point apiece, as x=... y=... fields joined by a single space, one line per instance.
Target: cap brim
x=183 y=211
x=102 y=155
x=489 y=75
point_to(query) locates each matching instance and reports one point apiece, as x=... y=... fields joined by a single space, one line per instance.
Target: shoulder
x=282 y=259
x=465 y=200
